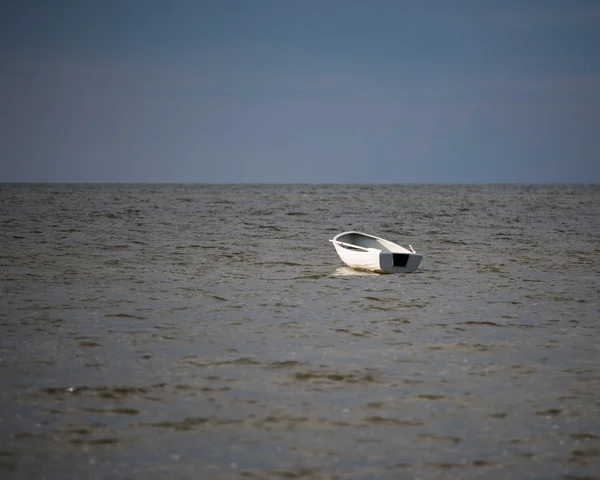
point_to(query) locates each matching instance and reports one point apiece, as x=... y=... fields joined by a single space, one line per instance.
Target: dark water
x=212 y=332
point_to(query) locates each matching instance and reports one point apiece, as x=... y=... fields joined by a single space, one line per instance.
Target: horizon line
x=290 y=183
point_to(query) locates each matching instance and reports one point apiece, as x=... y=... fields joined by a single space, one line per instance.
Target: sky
x=300 y=91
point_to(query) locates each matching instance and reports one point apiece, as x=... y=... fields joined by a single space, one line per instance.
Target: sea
x=212 y=332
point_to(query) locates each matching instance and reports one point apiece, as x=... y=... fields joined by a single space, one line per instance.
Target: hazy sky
x=300 y=91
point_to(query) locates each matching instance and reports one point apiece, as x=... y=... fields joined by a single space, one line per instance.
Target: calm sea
x=212 y=332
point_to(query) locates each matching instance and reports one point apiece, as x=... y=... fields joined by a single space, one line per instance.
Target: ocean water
x=212 y=332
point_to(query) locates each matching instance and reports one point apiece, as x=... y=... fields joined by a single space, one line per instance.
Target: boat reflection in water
x=350 y=272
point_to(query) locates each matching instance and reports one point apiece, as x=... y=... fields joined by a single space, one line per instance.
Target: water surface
x=211 y=331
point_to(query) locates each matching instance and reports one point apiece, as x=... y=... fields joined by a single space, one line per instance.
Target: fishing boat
x=367 y=252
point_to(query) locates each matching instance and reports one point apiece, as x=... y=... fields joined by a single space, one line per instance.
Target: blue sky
x=300 y=91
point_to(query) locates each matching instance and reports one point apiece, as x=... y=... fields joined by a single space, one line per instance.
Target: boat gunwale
x=386 y=245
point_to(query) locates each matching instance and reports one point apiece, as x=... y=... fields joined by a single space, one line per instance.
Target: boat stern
x=399 y=262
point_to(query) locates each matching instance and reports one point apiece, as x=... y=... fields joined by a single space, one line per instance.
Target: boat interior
x=364 y=241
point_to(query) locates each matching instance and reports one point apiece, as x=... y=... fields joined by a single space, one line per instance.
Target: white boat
x=367 y=252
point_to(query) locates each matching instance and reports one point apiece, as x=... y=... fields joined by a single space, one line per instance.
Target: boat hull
x=370 y=253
